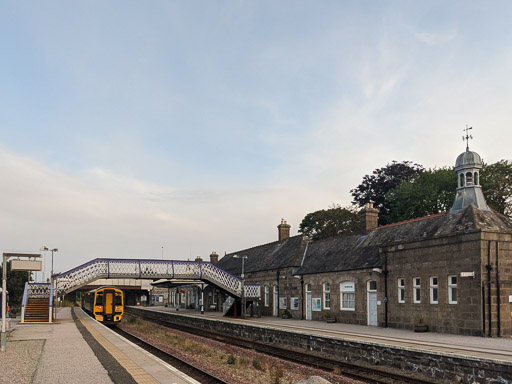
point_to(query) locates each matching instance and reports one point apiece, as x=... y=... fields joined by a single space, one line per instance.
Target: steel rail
x=180 y=364
x=358 y=372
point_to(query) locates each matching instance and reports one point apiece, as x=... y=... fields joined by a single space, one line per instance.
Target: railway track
x=362 y=373
x=182 y=365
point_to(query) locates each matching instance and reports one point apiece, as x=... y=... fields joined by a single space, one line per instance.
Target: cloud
x=439 y=38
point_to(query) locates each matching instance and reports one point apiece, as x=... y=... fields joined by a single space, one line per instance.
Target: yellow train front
x=105 y=304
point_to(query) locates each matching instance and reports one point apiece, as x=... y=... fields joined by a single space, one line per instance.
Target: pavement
x=78 y=349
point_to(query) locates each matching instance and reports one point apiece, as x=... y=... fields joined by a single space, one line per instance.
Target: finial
x=467 y=137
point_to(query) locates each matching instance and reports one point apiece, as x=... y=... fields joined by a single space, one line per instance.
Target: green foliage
x=496 y=182
x=328 y=223
x=375 y=187
x=15 y=284
x=433 y=191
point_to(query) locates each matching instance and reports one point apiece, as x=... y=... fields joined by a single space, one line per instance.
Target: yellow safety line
x=138 y=374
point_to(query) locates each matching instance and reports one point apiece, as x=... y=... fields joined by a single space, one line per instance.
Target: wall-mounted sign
x=467 y=274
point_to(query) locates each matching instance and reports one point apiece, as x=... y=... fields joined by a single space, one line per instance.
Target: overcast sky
x=128 y=126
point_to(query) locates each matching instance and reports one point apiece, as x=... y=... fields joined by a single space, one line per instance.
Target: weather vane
x=467 y=137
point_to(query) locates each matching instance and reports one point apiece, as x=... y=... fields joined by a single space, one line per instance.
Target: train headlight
x=99 y=308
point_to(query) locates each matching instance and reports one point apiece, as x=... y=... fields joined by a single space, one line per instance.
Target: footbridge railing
x=152 y=269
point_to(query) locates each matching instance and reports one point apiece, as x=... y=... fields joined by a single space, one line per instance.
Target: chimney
x=214 y=258
x=369 y=217
x=199 y=259
x=283 y=230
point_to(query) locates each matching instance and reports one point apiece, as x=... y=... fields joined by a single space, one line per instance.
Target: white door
x=276 y=304
x=308 y=306
x=372 y=308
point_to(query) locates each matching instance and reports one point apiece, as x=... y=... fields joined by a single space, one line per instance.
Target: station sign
x=467 y=274
x=26 y=265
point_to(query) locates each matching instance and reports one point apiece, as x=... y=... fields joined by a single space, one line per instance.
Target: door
x=109 y=303
x=372 y=303
x=276 y=299
x=309 y=302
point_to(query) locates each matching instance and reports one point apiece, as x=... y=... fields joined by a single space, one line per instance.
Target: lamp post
x=243 y=283
x=51 y=278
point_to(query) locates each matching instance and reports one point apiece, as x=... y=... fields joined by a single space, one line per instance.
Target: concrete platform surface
x=40 y=353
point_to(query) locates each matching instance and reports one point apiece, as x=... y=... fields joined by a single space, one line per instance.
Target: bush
x=231 y=359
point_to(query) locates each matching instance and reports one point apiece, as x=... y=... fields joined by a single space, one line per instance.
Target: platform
x=79 y=350
x=496 y=349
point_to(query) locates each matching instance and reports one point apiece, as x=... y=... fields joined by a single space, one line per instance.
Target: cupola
x=469 y=191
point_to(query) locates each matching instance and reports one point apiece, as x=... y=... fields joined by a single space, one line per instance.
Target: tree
x=375 y=187
x=496 y=181
x=433 y=191
x=15 y=284
x=331 y=222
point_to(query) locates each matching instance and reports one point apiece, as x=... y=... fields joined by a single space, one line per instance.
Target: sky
x=136 y=129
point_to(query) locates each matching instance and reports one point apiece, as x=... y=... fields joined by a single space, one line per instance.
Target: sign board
x=467 y=274
x=26 y=265
x=509 y=299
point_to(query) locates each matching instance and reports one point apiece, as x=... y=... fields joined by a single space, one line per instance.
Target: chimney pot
x=214 y=258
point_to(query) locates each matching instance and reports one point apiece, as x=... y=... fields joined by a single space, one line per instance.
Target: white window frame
x=327 y=295
x=267 y=295
x=416 y=290
x=401 y=290
x=434 y=290
x=452 y=286
x=282 y=302
x=347 y=296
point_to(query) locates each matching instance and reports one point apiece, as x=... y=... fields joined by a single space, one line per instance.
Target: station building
x=450 y=272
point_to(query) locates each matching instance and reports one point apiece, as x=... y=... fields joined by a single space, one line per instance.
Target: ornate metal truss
x=152 y=269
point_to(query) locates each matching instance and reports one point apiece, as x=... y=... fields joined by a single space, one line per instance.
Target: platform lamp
x=243 y=283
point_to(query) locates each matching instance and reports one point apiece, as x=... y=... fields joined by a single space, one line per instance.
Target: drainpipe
x=483 y=310
x=489 y=298
x=385 y=290
x=277 y=304
x=498 y=289
x=302 y=296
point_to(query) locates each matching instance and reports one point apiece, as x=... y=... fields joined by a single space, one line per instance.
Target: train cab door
x=109 y=303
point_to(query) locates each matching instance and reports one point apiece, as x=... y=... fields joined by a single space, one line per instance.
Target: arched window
x=469 y=178
x=476 y=181
x=327 y=296
x=461 y=180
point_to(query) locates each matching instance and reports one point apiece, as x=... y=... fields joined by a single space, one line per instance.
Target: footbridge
x=153 y=270
x=175 y=270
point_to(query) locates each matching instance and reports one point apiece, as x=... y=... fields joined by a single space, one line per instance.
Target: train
x=105 y=304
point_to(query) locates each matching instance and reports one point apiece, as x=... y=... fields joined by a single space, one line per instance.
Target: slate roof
x=362 y=252
x=352 y=252
x=271 y=256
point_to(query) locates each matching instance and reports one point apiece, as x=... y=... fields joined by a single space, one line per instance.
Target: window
x=475 y=176
x=266 y=296
x=469 y=178
x=401 y=290
x=452 y=289
x=327 y=296
x=294 y=303
x=416 y=287
x=282 y=303
x=433 y=290
x=461 y=180
x=347 y=296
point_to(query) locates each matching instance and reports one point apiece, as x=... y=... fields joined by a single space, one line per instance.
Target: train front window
x=119 y=299
x=99 y=300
